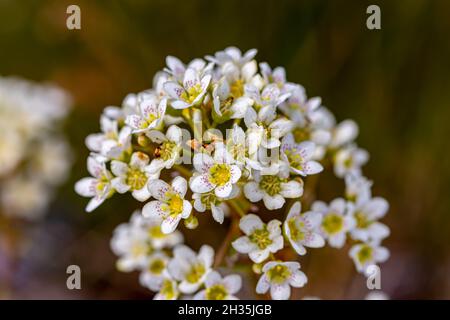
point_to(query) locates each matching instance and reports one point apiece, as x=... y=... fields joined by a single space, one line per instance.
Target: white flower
x=349 y=161
x=229 y=104
x=277 y=75
x=209 y=201
x=112 y=142
x=336 y=221
x=153 y=275
x=170 y=206
x=272 y=189
x=264 y=129
x=232 y=54
x=367 y=254
x=169 y=150
x=298 y=156
x=271 y=95
x=357 y=188
x=157 y=239
x=191 y=93
x=260 y=239
x=218 y=288
x=150 y=114
x=279 y=277
x=366 y=215
x=98 y=186
x=168 y=289
x=189 y=268
x=298 y=107
x=301 y=229
x=133 y=176
x=132 y=246
x=218 y=173
x=344 y=133
x=177 y=69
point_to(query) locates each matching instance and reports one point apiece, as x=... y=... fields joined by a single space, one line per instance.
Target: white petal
x=217 y=213
x=259 y=256
x=376 y=208
x=158 y=189
x=86 y=187
x=223 y=191
x=213 y=278
x=312 y=167
x=94 y=203
x=263 y=285
x=274 y=227
x=187 y=208
x=232 y=283
x=95 y=168
x=206 y=255
x=170 y=223
x=179 y=104
x=291 y=189
x=139 y=160
x=190 y=78
x=273 y=203
x=153 y=209
x=280 y=292
x=188 y=288
x=252 y=192
x=200 y=184
x=119 y=168
x=119 y=185
x=337 y=241
x=338 y=205
x=314 y=241
x=142 y=194
x=295 y=210
x=243 y=245
x=298 y=279
x=202 y=162
x=179 y=184
x=173 y=89
x=249 y=223
x=235 y=174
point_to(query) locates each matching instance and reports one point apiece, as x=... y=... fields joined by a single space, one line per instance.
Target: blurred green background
x=394 y=82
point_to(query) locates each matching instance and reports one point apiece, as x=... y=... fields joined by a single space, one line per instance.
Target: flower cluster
x=167 y=266
x=236 y=138
x=31 y=147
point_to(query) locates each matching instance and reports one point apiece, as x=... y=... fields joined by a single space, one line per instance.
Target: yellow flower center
x=295 y=159
x=216 y=292
x=174 y=203
x=278 y=274
x=150 y=118
x=296 y=229
x=167 y=150
x=139 y=249
x=271 y=184
x=195 y=274
x=365 y=254
x=219 y=174
x=155 y=232
x=237 y=89
x=301 y=134
x=333 y=223
x=168 y=290
x=192 y=93
x=157 y=266
x=361 y=220
x=136 y=179
x=261 y=238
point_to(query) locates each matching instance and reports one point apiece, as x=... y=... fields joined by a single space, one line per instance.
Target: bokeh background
x=394 y=82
